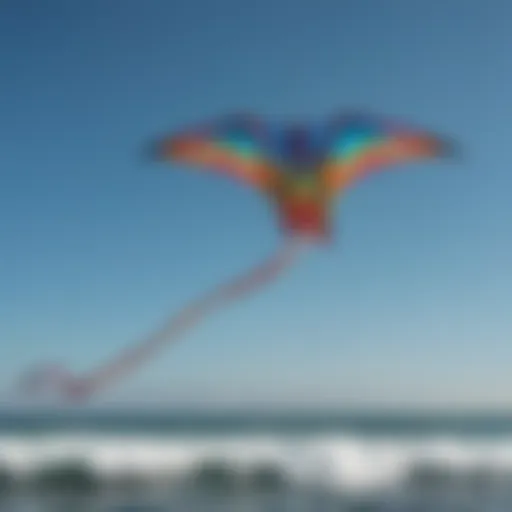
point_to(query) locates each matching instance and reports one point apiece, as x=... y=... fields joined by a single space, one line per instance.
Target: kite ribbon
x=83 y=388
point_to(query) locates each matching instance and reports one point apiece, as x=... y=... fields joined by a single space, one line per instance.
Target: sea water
x=194 y=462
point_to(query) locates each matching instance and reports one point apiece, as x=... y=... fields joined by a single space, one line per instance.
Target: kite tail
x=83 y=388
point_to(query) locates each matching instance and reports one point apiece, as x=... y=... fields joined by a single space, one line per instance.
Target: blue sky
x=410 y=305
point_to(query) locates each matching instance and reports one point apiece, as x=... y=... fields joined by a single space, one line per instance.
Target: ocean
x=252 y=461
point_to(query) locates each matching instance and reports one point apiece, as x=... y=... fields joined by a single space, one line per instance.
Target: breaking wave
x=338 y=463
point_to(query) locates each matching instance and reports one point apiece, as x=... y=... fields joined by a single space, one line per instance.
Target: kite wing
x=357 y=145
x=234 y=146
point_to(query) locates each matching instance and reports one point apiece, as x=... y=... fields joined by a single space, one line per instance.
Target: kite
x=300 y=169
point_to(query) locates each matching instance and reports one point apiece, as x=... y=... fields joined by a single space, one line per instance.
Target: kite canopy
x=302 y=168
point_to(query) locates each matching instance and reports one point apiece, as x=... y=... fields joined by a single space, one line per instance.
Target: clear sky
x=411 y=304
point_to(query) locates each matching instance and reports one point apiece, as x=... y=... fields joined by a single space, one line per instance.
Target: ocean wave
x=339 y=463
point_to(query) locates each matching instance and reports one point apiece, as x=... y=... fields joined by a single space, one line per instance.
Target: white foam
x=337 y=461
